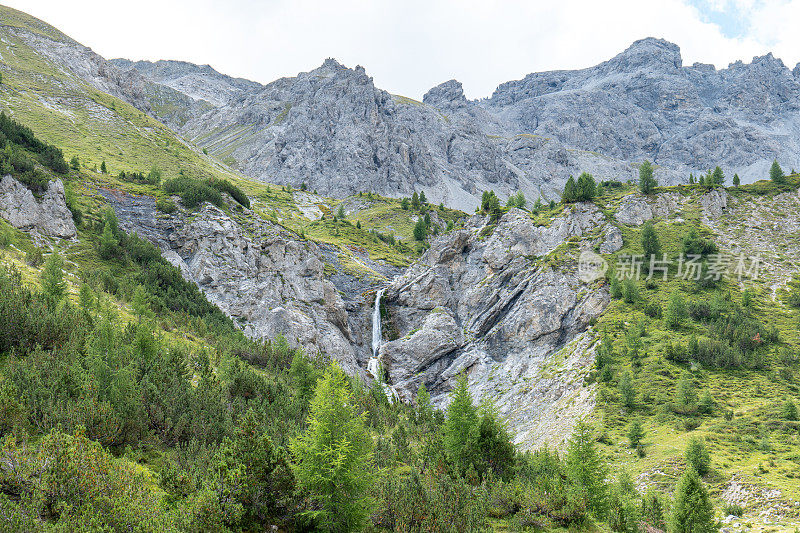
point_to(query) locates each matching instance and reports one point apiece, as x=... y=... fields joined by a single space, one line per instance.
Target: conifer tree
x=736 y=180
x=626 y=390
x=585 y=188
x=635 y=434
x=461 y=428
x=52 y=277
x=570 y=191
x=686 y=395
x=586 y=470
x=718 y=177
x=646 y=180
x=692 y=511
x=424 y=406
x=697 y=456
x=422 y=199
x=650 y=242
x=776 y=172
x=103 y=167
x=415 y=201
x=334 y=456
x=420 y=230
x=675 y=311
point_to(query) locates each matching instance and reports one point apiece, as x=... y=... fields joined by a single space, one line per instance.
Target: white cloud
x=412 y=45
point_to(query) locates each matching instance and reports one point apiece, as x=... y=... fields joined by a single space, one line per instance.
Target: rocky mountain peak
x=447 y=94
x=651 y=54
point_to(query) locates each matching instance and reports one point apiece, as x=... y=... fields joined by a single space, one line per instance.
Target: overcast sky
x=409 y=46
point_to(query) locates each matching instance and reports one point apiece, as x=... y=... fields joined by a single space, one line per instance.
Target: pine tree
x=718 y=177
x=736 y=180
x=586 y=471
x=424 y=406
x=570 y=191
x=650 y=242
x=52 y=277
x=585 y=188
x=685 y=393
x=461 y=428
x=422 y=199
x=140 y=305
x=494 y=445
x=74 y=163
x=86 y=298
x=627 y=391
x=697 y=456
x=334 y=456
x=635 y=434
x=420 y=230
x=692 y=511
x=415 y=201
x=404 y=204
x=675 y=311
x=691 y=178
x=109 y=244
x=103 y=167
x=646 y=180
x=776 y=172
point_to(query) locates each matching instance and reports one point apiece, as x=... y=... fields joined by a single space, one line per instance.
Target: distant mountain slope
x=75 y=99
x=644 y=103
x=332 y=129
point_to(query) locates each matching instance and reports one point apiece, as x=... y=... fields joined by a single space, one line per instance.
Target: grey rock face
x=486 y=307
x=636 y=209
x=612 y=240
x=200 y=82
x=644 y=103
x=48 y=216
x=332 y=129
x=269 y=282
x=714 y=202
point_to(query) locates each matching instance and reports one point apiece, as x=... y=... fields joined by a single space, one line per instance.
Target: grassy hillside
x=732 y=344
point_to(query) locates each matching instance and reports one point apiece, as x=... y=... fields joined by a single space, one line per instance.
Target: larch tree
x=333 y=457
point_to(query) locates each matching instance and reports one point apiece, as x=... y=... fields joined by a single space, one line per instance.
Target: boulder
x=48 y=216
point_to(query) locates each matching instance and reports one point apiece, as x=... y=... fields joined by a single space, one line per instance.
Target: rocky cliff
x=496 y=309
x=47 y=216
x=266 y=278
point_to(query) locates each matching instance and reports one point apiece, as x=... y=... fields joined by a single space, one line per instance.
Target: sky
x=410 y=46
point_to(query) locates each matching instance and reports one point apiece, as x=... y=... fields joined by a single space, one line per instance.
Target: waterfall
x=377 y=335
x=373 y=365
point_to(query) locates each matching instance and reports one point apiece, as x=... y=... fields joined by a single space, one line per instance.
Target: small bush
x=34 y=258
x=228 y=187
x=733 y=509
x=165 y=205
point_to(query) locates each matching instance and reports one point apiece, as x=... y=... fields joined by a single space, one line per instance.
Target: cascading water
x=377 y=335
x=373 y=365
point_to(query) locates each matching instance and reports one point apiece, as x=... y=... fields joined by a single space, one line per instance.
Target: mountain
x=200 y=310
x=334 y=130
x=644 y=103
